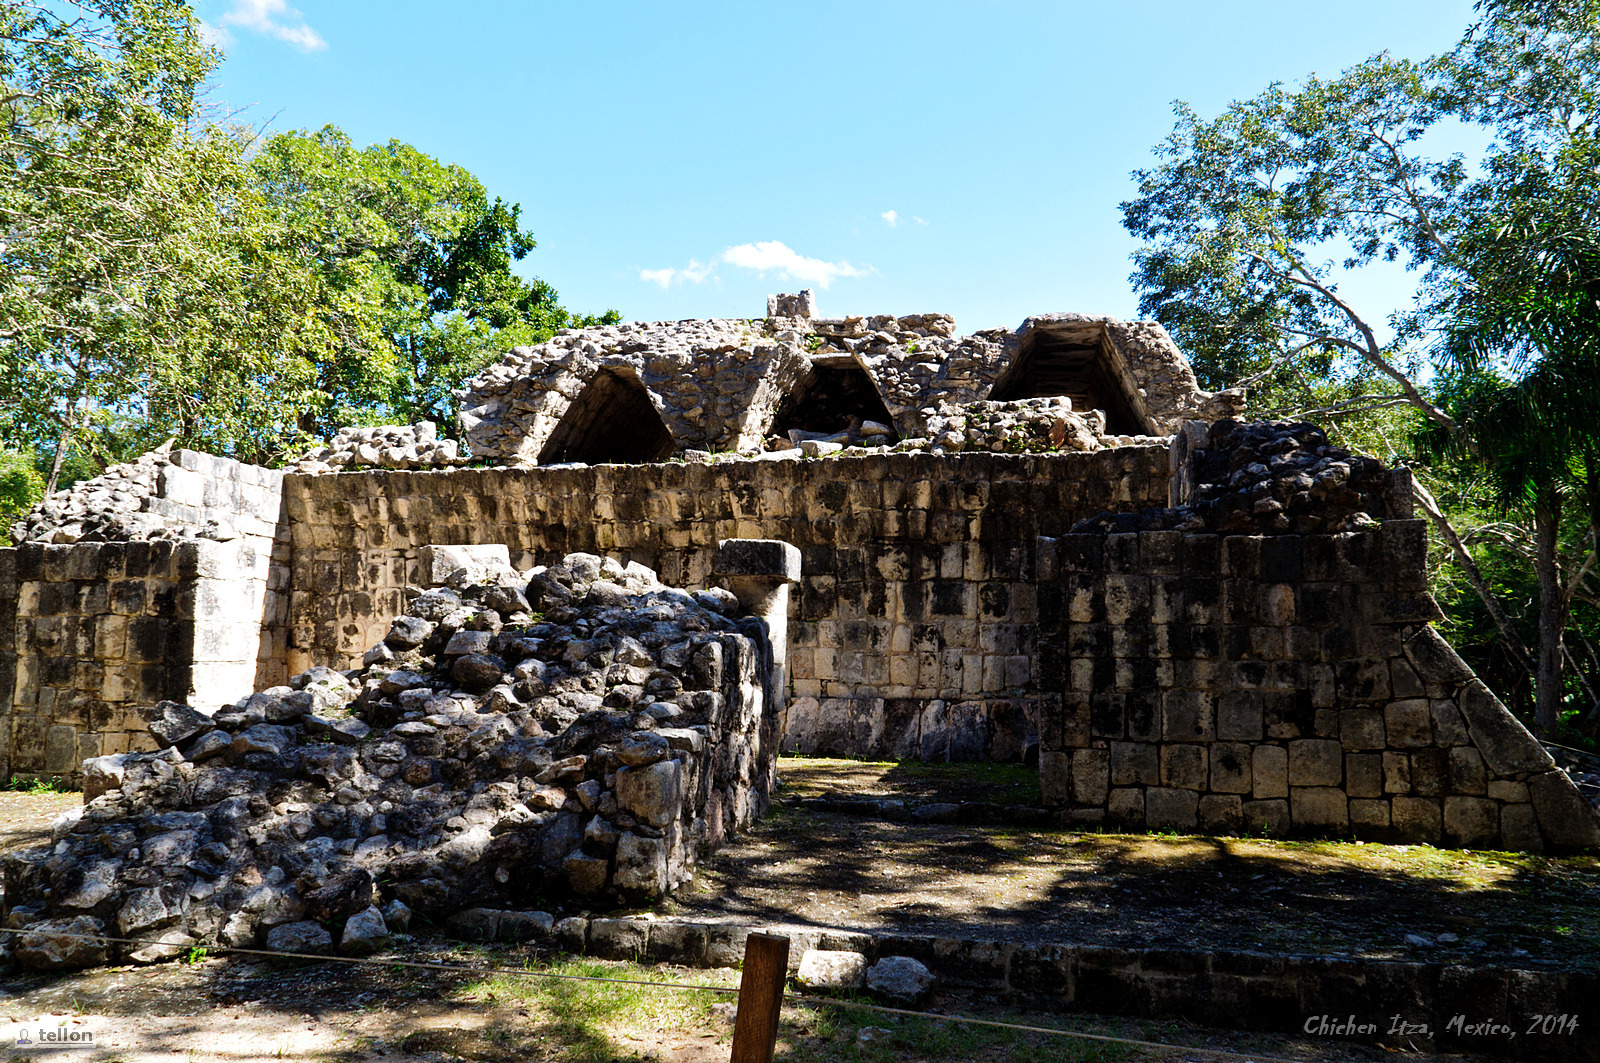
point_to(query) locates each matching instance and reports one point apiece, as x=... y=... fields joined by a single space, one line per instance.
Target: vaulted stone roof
x=646 y=391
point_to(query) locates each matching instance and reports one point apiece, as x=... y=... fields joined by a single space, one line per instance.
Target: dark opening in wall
x=1052 y=364
x=828 y=399
x=612 y=422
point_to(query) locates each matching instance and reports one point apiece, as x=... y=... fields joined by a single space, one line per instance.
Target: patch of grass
x=582 y=1021
x=822 y=1034
x=1005 y=784
x=37 y=786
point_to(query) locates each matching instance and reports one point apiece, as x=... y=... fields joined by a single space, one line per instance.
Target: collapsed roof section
x=645 y=391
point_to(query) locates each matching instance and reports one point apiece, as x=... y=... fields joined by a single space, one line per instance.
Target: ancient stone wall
x=91 y=631
x=912 y=633
x=1279 y=684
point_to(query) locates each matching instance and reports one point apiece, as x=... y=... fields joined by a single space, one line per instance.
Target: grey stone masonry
x=644 y=391
x=911 y=634
x=92 y=632
x=1284 y=684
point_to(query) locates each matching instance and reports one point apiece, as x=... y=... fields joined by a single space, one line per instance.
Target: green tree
x=20 y=486
x=414 y=273
x=1252 y=219
x=140 y=294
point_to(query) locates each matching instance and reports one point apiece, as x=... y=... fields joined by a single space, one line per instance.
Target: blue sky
x=685 y=159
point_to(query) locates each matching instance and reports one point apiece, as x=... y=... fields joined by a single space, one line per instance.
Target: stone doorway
x=827 y=401
x=1053 y=363
x=612 y=422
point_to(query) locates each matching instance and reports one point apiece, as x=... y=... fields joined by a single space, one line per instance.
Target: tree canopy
x=413 y=263
x=167 y=274
x=1253 y=220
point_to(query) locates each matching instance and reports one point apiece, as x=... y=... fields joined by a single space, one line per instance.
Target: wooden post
x=755 y=1029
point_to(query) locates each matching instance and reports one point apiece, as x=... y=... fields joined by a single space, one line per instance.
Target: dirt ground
x=242 y=1010
x=800 y=866
x=1140 y=890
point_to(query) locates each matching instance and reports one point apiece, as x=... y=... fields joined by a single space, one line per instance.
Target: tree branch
x=1458 y=549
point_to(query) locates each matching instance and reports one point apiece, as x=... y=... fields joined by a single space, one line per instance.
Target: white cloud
x=918 y=220
x=772 y=255
x=890 y=216
x=274 y=18
x=765 y=256
x=694 y=273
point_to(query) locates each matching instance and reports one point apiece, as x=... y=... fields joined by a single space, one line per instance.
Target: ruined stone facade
x=647 y=391
x=953 y=605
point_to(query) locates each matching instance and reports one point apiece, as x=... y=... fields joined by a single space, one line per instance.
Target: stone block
x=1467 y=774
x=1361 y=729
x=1135 y=763
x=1519 y=828
x=1319 y=808
x=1187 y=716
x=1363 y=775
x=1055 y=778
x=1408 y=724
x=1269 y=773
x=60 y=750
x=758 y=557
x=1362 y=679
x=1396 y=773
x=1221 y=813
x=1403 y=679
x=1430 y=772
x=1125 y=807
x=1239 y=716
x=1433 y=658
x=1449 y=727
x=1266 y=817
x=1509 y=791
x=1416 y=819
x=1368 y=815
x=1471 y=822
x=1167 y=809
x=1568 y=821
x=1230 y=767
x=1183 y=767
x=617 y=939
x=1090 y=776
x=1499 y=736
x=1315 y=762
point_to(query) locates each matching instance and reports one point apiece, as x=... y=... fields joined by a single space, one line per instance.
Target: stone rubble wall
x=577 y=729
x=89 y=632
x=1278 y=684
x=913 y=628
x=183 y=495
x=1157 y=371
x=384 y=446
x=718 y=384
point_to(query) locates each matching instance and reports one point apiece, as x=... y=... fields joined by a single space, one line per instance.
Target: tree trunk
x=1464 y=560
x=62 y=442
x=1552 y=613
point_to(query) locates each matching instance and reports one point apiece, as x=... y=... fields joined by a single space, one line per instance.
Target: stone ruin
x=1039 y=545
x=574 y=729
x=649 y=391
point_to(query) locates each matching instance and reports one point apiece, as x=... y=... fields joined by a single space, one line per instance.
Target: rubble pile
x=104 y=509
x=1267 y=478
x=580 y=729
x=385 y=446
x=1022 y=426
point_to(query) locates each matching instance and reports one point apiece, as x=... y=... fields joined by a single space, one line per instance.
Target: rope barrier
x=824 y=1001
x=789 y=998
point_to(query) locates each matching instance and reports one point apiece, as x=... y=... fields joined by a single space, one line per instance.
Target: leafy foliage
x=20 y=485
x=1252 y=220
x=413 y=264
